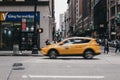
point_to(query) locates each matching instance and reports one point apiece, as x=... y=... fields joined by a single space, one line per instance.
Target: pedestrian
x=47 y=42
x=117 y=47
x=55 y=40
x=106 y=46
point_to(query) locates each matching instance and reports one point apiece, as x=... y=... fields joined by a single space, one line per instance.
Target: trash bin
x=15 y=49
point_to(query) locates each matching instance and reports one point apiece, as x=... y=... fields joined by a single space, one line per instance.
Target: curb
x=24 y=53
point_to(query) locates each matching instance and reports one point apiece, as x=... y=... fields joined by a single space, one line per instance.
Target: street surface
x=102 y=67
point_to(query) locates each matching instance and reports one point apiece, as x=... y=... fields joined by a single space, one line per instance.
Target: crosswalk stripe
x=64 y=77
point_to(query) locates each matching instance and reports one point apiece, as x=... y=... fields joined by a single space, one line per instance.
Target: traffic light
x=40 y=30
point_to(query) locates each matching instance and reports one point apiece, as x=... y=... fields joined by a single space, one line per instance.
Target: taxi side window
x=85 y=41
x=68 y=42
x=78 y=41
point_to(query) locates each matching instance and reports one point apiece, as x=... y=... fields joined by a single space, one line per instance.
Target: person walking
x=55 y=40
x=106 y=46
x=117 y=47
x=47 y=42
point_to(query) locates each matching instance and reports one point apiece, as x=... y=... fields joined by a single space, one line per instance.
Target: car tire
x=88 y=54
x=52 y=54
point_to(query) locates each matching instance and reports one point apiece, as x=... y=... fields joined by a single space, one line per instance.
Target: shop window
x=27 y=25
x=26 y=42
x=6 y=41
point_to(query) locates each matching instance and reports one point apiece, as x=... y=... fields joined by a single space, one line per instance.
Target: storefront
x=17 y=28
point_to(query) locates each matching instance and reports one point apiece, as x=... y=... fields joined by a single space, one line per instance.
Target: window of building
x=118 y=8
x=112 y=11
x=9 y=0
x=1 y=0
x=30 y=0
x=112 y=2
x=20 y=0
x=43 y=0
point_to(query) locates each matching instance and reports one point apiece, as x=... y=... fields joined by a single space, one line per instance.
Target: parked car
x=100 y=41
x=79 y=46
x=112 y=43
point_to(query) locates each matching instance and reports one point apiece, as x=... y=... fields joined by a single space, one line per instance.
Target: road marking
x=63 y=77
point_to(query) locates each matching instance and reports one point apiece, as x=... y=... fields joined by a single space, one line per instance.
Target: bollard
x=15 y=49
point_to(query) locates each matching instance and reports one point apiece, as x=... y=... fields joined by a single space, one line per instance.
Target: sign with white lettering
x=17 y=16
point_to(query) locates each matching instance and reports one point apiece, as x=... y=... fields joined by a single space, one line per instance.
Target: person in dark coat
x=117 y=47
x=47 y=42
x=106 y=46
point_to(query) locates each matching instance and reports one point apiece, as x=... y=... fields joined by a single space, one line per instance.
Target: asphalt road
x=102 y=67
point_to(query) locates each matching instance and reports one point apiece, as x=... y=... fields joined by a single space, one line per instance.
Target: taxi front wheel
x=88 y=54
x=52 y=54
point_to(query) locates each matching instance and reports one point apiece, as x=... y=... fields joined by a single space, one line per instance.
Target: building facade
x=62 y=25
x=17 y=23
x=113 y=17
x=79 y=17
x=100 y=18
x=72 y=16
x=66 y=21
x=97 y=18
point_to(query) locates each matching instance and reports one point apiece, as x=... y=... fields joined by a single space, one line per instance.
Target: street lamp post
x=35 y=12
x=35 y=35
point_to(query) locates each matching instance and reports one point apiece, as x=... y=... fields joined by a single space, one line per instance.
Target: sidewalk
x=24 y=53
x=29 y=53
x=111 y=51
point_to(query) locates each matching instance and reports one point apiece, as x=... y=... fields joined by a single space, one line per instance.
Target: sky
x=60 y=7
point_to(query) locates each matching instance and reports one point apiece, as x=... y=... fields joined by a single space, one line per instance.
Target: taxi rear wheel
x=52 y=54
x=89 y=54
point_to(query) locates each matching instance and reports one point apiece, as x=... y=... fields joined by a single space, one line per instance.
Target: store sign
x=2 y=16
x=17 y=16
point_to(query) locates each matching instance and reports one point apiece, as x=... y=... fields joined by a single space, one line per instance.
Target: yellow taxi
x=74 y=46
